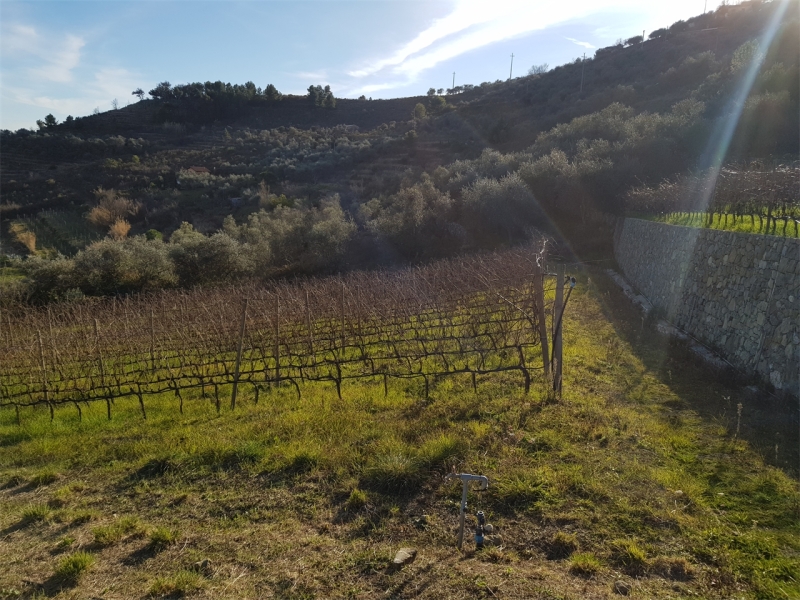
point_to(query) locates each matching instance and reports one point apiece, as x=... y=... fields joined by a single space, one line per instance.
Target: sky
x=70 y=57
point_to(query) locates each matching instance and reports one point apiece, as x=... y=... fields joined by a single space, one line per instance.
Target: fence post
x=277 y=339
x=558 y=307
x=152 y=341
x=538 y=291
x=310 y=327
x=238 y=356
x=102 y=366
x=44 y=375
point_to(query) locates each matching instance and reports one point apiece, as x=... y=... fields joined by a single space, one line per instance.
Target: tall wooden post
x=152 y=341
x=310 y=327
x=558 y=307
x=238 y=356
x=277 y=339
x=44 y=375
x=538 y=293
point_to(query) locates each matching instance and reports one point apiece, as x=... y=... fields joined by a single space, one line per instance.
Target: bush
x=201 y=259
x=500 y=210
x=111 y=207
x=122 y=266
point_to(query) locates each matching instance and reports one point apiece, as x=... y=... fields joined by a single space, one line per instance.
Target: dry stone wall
x=737 y=293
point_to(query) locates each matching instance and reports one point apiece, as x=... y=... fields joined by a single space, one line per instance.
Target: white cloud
x=311 y=75
x=474 y=24
x=49 y=58
x=579 y=43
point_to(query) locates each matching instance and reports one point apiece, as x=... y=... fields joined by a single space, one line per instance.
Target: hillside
x=648 y=476
x=407 y=179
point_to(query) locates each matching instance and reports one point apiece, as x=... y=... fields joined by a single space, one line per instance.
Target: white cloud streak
x=474 y=24
x=580 y=43
x=52 y=58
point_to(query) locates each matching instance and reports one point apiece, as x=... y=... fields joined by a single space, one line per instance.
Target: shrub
x=119 y=229
x=500 y=210
x=23 y=236
x=133 y=264
x=111 y=207
x=201 y=259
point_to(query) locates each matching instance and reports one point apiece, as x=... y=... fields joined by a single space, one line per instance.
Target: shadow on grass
x=137 y=557
x=765 y=420
x=49 y=588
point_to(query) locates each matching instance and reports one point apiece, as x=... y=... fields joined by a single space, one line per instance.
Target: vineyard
x=469 y=317
x=747 y=198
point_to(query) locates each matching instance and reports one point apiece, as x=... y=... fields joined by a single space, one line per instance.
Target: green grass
x=72 y=567
x=161 y=538
x=182 y=583
x=634 y=470
x=726 y=222
x=584 y=564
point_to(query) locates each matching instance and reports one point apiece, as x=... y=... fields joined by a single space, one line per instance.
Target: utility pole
x=454 y=80
x=512 y=67
x=583 y=68
x=642 y=44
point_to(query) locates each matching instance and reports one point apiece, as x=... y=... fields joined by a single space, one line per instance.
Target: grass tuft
x=73 y=566
x=182 y=583
x=584 y=564
x=520 y=489
x=36 y=512
x=107 y=535
x=393 y=473
x=675 y=568
x=356 y=501
x=561 y=545
x=45 y=477
x=629 y=556
x=161 y=538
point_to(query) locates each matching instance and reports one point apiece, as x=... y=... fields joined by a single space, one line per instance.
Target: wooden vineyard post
x=343 y=319
x=558 y=307
x=238 y=356
x=10 y=335
x=538 y=291
x=102 y=366
x=44 y=375
x=277 y=340
x=310 y=327
x=152 y=341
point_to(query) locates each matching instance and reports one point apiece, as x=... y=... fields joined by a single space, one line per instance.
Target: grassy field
x=726 y=222
x=647 y=475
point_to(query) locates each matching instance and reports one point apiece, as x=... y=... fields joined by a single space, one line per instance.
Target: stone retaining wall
x=737 y=293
